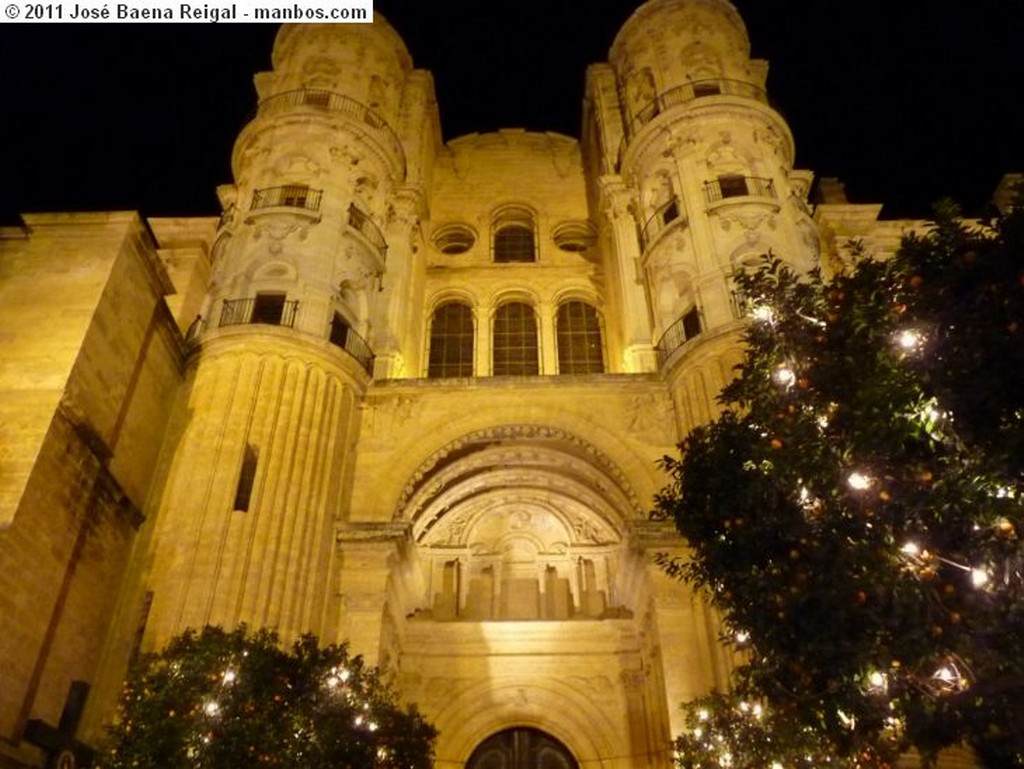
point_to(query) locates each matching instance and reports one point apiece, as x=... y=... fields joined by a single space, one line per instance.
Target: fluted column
x=267 y=565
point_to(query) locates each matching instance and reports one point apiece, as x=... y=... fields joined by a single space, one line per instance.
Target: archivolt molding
x=568 y=710
x=450 y=515
x=611 y=488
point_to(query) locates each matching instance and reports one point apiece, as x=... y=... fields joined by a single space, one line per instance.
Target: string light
x=909 y=339
x=784 y=376
x=877 y=682
x=763 y=313
x=951 y=677
x=980 y=577
x=858 y=481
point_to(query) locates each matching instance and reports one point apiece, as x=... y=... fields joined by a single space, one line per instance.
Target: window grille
x=580 y=350
x=514 y=236
x=515 y=341
x=451 y=342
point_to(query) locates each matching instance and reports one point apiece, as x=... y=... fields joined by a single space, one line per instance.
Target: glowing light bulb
x=742 y=636
x=703 y=715
x=858 y=481
x=211 y=708
x=230 y=676
x=979 y=577
x=945 y=674
x=911 y=549
x=763 y=313
x=784 y=376
x=876 y=679
x=909 y=339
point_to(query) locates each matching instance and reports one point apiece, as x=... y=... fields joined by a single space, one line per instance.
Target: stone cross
x=63 y=751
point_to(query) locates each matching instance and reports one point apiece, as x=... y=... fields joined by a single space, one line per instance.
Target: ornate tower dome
x=365 y=62
x=681 y=41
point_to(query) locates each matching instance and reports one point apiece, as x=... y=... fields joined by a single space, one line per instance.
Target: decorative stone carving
x=748 y=220
x=651 y=419
x=297 y=167
x=278 y=231
x=251 y=155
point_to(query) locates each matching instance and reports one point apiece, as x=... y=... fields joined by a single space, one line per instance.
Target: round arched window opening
x=514 y=235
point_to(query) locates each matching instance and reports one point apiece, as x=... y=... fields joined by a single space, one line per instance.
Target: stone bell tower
x=697 y=180
x=262 y=441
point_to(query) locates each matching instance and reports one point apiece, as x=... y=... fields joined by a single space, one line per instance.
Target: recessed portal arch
x=518 y=523
x=521 y=748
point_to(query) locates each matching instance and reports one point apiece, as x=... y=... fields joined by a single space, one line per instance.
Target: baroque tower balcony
x=331 y=105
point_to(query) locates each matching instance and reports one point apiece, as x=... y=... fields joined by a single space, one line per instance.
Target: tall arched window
x=451 y=341
x=578 y=331
x=514 y=236
x=515 y=340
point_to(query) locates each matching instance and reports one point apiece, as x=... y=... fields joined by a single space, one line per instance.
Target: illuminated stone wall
x=243 y=421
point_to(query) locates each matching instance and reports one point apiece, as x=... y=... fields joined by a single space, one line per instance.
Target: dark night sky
x=904 y=101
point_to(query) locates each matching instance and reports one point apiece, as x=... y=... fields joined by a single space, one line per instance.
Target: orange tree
x=856 y=510
x=220 y=700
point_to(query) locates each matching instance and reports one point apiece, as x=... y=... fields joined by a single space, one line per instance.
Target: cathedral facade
x=402 y=392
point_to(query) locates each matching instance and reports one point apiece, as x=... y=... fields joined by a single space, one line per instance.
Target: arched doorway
x=521 y=748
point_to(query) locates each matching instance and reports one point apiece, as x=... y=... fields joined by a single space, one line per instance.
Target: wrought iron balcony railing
x=688 y=92
x=268 y=309
x=680 y=332
x=288 y=196
x=734 y=186
x=658 y=221
x=348 y=340
x=336 y=103
x=364 y=225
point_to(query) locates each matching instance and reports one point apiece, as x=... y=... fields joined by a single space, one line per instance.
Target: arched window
x=515 y=340
x=451 y=341
x=514 y=235
x=578 y=332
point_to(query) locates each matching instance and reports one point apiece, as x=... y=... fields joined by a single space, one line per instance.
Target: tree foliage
x=856 y=510
x=221 y=700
